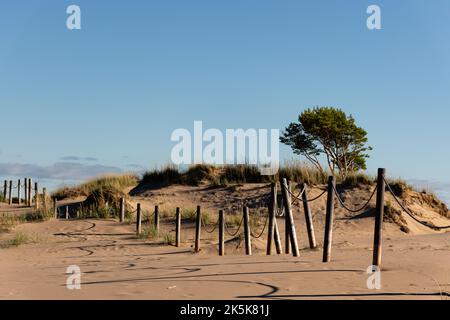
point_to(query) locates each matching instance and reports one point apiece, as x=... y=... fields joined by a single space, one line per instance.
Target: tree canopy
x=330 y=132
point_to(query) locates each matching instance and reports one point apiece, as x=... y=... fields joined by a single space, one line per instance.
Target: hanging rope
x=408 y=212
x=353 y=210
x=262 y=231
x=211 y=230
x=237 y=230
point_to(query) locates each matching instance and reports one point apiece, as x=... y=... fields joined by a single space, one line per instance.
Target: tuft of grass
x=393 y=215
x=233 y=220
x=149 y=232
x=357 y=179
x=189 y=214
x=168 y=238
x=19 y=239
x=162 y=177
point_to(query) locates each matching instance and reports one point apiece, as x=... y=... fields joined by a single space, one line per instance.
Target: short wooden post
x=67 y=212
x=221 y=233
x=44 y=199
x=379 y=212
x=10 y=192
x=329 y=220
x=308 y=218
x=248 y=241
x=29 y=192
x=122 y=210
x=178 y=227
x=55 y=208
x=287 y=231
x=19 y=201
x=272 y=209
x=290 y=220
x=138 y=219
x=198 y=224
x=278 y=246
x=25 y=189
x=5 y=189
x=156 y=221
x=36 y=193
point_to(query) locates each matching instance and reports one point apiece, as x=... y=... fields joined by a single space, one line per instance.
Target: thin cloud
x=76 y=158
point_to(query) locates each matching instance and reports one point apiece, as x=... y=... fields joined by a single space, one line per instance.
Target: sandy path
x=115 y=265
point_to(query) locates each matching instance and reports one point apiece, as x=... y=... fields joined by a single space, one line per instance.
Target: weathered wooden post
x=198 y=224
x=5 y=189
x=36 y=193
x=156 y=219
x=122 y=210
x=329 y=220
x=221 y=233
x=55 y=208
x=290 y=220
x=29 y=192
x=10 y=192
x=19 y=201
x=287 y=231
x=379 y=212
x=178 y=227
x=44 y=199
x=272 y=209
x=278 y=246
x=25 y=189
x=248 y=241
x=308 y=218
x=67 y=212
x=138 y=219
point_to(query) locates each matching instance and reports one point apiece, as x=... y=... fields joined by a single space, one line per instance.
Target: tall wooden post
x=19 y=201
x=67 y=212
x=138 y=219
x=329 y=221
x=379 y=212
x=198 y=225
x=55 y=208
x=287 y=230
x=178 y=227
x=25 y=191
x=10 y=192
x=36 y=193
x=5 y=190
x=156 y=219
x=122 y=210
x=29 y=192
x=44 y=199
x=272 y=209
x=308 y=218
x=221 y=233
x=248 y=241
x=290 y=221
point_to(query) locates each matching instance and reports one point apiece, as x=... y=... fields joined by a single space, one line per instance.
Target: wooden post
x=122 y=210
x=308 y=218
x=5 y=189
x=272 y=209
x=44 y=199
x=10 y=192
x=221 y=233
x=67 y=212
x=19 y=201
x=178 y=227
x=55 y=208
x=138 y=219
x=329 y=221
x=287 y=231
x=277 y=238
x=379 y=212
x=25 y=191
x=248 y=241
x=198 y=224
x=290 y=220
x=29 y=192
x=36 y=193
x=156 y=219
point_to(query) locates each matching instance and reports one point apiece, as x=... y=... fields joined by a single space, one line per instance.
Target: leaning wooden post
x=290 y=221
x=276 y=234
x=138 y=219
x=248 y=241
x=329 y=220
x=36 y=193
x=19 y=201
x=178 y=227
x=221 y=233
x=10 y=192
x=272 y=208
x=156 y=219
x=29 y=192
x=379 y=212
x=198 y=224
x=122 y=210
x=308 y=218
x=287 y=248
x=55 y=208
x=5 y=189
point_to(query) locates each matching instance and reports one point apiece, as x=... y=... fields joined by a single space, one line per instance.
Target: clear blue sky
x=108 y=96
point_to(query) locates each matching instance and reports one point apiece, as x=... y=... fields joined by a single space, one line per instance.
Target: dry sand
x=117 y=265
